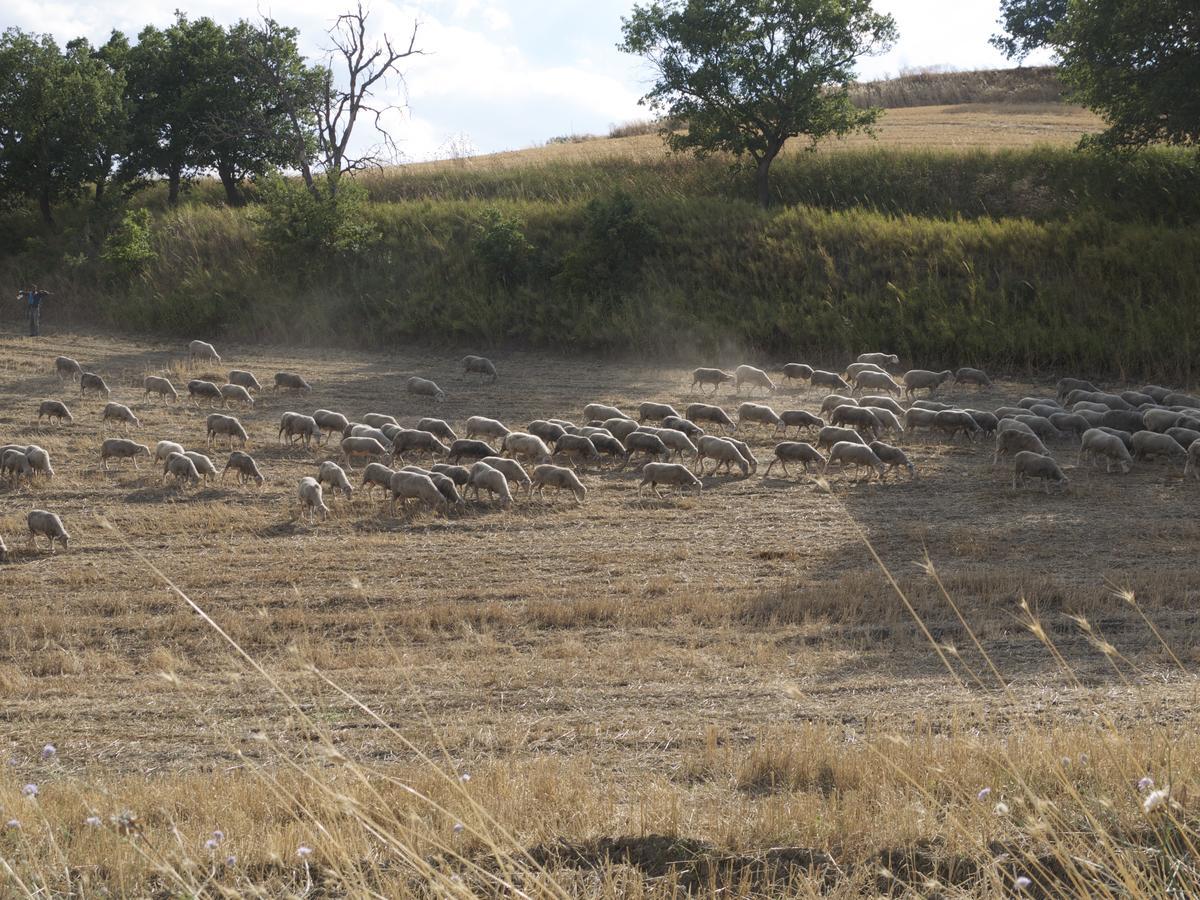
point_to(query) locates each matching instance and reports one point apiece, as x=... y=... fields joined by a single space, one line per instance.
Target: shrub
x=501 y=247
x=616 y=241
x=130 y=249
x=313 y=229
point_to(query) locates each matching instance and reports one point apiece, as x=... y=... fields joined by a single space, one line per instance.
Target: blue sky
x=508 y=74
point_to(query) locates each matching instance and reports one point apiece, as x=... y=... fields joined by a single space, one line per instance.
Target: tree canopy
x=1028 y=25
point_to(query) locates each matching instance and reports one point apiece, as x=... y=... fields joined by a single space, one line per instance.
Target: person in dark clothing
x=33 y=298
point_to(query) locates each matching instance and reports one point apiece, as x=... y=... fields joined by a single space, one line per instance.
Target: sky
x=510 y=74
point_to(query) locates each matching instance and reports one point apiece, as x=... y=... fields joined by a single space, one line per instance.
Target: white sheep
x=933 y=405
x=204 y=465
x=361 y=446
x=361 y=430
x=916 y=417
x=519 y=444
x=855 y=368
x=714 y=377
x=752 y=378
x=163 y=449
x=922 y=379
x=876 y=401
x=861 y=418
x=438 y=428
x=1100 y=443
x=1150 y=444
x=332 y=474
x=290 y=381
x=423 y=387
x=876 y=381
x=674 y=440
x=488 y=428
x=378 y=420
x=329 y=422
x=678 y=423
x=445 y=485
x=723 y=452
x=407 y=440
x=116 y=412
x=376 y=475
x=576 y=448
x=244 y=378
x=54 y=409
x=1013 y=441
x=90 y=381
x=602 y=411
x=65 y=367
x=550 y=431
x=460 y=475
x=494 y=482
x=883 y=360
x=198 y=389
x=512 y=470
x=953 y=422
x=479 y=365
x=886 y=420
x=120 y=448
x=181 y=468
x=759 y=414
x=15 y=464
x=1030 y=464
x=858 y=455
x=833 y=401
x=654 y=474
x=235 y=393
x=892 y=457
x=39 y=521
x=228 y=426
x=156 y=384
x=294 y=425
x=794 y=452
x=244 y=465
x=655 y=411
x=39 y=460
x=832 y=434
x=702 y=412
x=199 y=350
x=558 y=477
x=312 y=499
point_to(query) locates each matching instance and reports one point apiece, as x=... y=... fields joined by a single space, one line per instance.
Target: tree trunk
x=44 y=206
x=233 y=192
x=174 y=176
x=762 y=176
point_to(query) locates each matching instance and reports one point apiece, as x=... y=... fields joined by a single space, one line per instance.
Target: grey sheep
x=90 y=381
x=329 y=422
x=1193 y=460
x=510 y=469
x=972 y=376
x=438 y=428
x=714 y=377
x=934 y=405
x=117 y=412
x=54 y=409
x=879 y=402
x=876 y=381
x=243 y=378
x=654 y=474
x=181 y=468
x=163 y=449
x=832 y=434
x=1070 y=423
x=423 y=387
x=1181 y=400
x=1011 y=442
x=650 y=445
x=723 y=452
x=1160 y=419
x=244 y=465
x=39 y=521
x=1029 y=464
x=120 y=448
x=794 y=452
x=854 y=368
x=687 y=426
x=361 y=446
x=466 y=449
x=478 y=365
x=198 y=389
x=548 y=431
x=1096 y=442
x=330 y=473
x=156 y=384
x=460 y=475
x=204 y=465
x=858 y=455
x=376 y=475
x=986 y=421
x=833 y=401
x=922 y=379
x=602 y=411
x=290 y=381
x=1040 y=426
x=759 y=414
x=228 y=426
x=409 y=439
x=956 y=421
x=235 y=393
x=1124 y=420
x=621 y=428
x=1151 y=444
x=798 y=419
x=1066 y=385
x=1156 y=391
x=489 y=428
x=378 y=420
x=485 y=477
x=701 y=412
x=883 y=360
x=560 y=478
x=655 y=411
x=861 y=419
x=445 y=485
x=1185 y=437
x=892 y=457
x=15 y=464
x=65 y=367
x=821 y=378
x=205 y=352
x=917 y=417
x=797 y=372
x=39 y=461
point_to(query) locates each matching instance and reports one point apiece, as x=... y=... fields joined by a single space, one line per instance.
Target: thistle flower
x=303 y=852
x=458 y=827
x=231 y=860
x=1144 y=784
x=211 y=845
x=983 y=794
x=1155 y=799
x=1022 y=883
x=464 y=777
x=30 y=790
x=92 y=822
x=1000 y=809
x=218 y=836
x=13 y=823
x=49 y=751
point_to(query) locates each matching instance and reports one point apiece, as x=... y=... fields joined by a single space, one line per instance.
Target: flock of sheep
x=864 y=407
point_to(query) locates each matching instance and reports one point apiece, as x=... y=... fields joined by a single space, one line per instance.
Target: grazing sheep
x=1137 y=399
x=885 y=419
x=332 y=474
x=1044 y=410
x=797 y=372
x=558 y=477
x=723 y=452
x=520 y=445
x=116 y=412
x=799 y=419
x=833 y=401
x=1157 y=392
x=181 y=468
x=832 y=434
x=90 y=381
x=759 y=414
x=39 y=460
x=1193 y=460
x=203 y=464
x=423 y=387
x=1160 y=419
x=155 y=384
x=47 y=523
x=478 y=365
x=1066 y=385
x=1124 y=436
x=654 y=474
x=290 y=381
x=650 y=445
x=856 y=454
x=701 y=412
x=199 y=350
x=821 y=378
x=297 y=425
x=512 y=470
x=655 y=411
x=245 y=466
x=1069 y=423
x=922 y=379
x=494 y=482
x=752 y=378
x=935 y=405
x=1124 y=420
x=972 y=376
x=438 y=428
x=198 y=389
x=376 y=475
x=1040 y=426
x=163 y=449
x=1029 y=464
x=1010 y=442
x=65 y=367
x=15 y=464
x=378 y=420
x=445 y=485
x=855 y=368
x=602 y=411
x=359 y=430
x=1090 y=410
x=312 y=498
x=217 y=424
x=244 y=379
x=235 y=393
x=366 y=447
x=879 y=402
x=1185 y=437
x=678 y=423
x=329 y=422
x=987 y=422
x=489 y=428
x=54 y=409
x=1029 y=403
x=120 y=448
x=547 y=431
x=883 y=360
x=1112 y=401
x=918 y=417
x=1112 y=448
x=715 y=377
x=860 y=418
x=1151 y=444
x=795 y=452
x=1181 y=400
x=892 y=457
x=1012 y=424
x=465 y=449
x=460 y=475
x=876 y=381
x=411 y=439
x=622 y=428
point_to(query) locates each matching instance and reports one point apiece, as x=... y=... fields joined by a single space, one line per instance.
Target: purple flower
x=30 y=790
x=303 y=852
x=211 y=845
x=48 y=751
x=92 y=822
x=1144 y=784
x=1022 y=883
x=458 y=827
x=13 y=823
x=464 y=777
x=231 y=860
x=218 y=836
x=984 y=794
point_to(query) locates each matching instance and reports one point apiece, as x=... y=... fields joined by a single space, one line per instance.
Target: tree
x=1137 y=64
x=747 y=75
x=1028 y=25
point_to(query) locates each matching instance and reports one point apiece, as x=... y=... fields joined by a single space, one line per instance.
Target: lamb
x=654 y=474
x=828 y=379
x=1111 y=447
x=916 y=417
x=879 y=402
x=752 y=378
x=181 y=468
x=163 y=449
x=1070 y=423
x=361 y=446
x=54 y=409
x=39 y=461
x=1160 y=419
x=519 y=444
x=1184 y=436
x=290 y=381
x=510 y=469
x=1150 y=444
x=444 y=484
x=244 y=379
x=723 y=452
x=700 y=412
x=799 y=419
x=90 y=381
x=1010 y=442
x=1028 y=464
x=794 y=452
x=423 y=387
x=547 y=431
x=602 y=411
x=332 y=474
x=715 y=377
x=116 y=412
x=559 y=478
x=856 y=454
x=312 y=498
x=119 y=448
x=488 y=428
x=478 y=365
x=155 y=384
x=833 y=401
x=651 y=445
x=378 y=420
x=217 y=424
x=15 y=464
x=860 y=418
x=329 y=422
x=678 y=423
x=797 y=372
x=655 y=411
x=1124 y=420
x=39 y=521
x=410 y=439
x=485 y=477
x=622 y=428
x=883 y=360
x=987 y=422
x=465 y=449
x=65 y=367
x=1193 y=460
x=892 y=457
x=245 y=467
x=376 y=475
x=199 y=350
x=977 y=377
x=1067 y=385
x=832 y=434
x=876 y=381
x=460 y=475
x=198 y=389
x=758 y=413
x=922 y=379
x=437 y=428
x=235 y=393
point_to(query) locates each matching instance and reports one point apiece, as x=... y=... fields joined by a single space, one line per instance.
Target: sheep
x=510 y=469
x=821 y=378
x=412 y=439
x=622 y=428
x=423 y=387
x=752 y=378
x=856 y=454
x=655 y=411
x=547 y=431
x=1124 y=436
x=977 y=377
x=700 y=412
x=376 y=475
x=1070 y=423
x=494 y=482
x=1012 y=424
x=954 y=421
x=361 y=446
x=853 y=370
x=1112 y=401
x=120 y=448
x=1193 y=460
x=934 y=405
x=1184 y=436
x=876 y=381
x=1044 y=410
x=235 y=393
x=651 y=445
x=54 y=409
x=1066 y=385
x=312 y=498
x=181 y=468
x=478 y=365
x=654 y=474
x=833 y=401
x=378 y=420
x=1092 y=417
x=1137 y=399
x=65 y=367
x=245 y=467
x=1111 y=447
x=39 y=521
x=204 y=465
x=290 y=381
x=883 y=360
x=155 y=384
x=876 y=401
x=1155 y=391
x=1010 y=442
x=715 y=377
x=39 y=461
x=116 y=412
x=892 y=457
x=602 y=411
x=679 y=423
x=797 y=372
x=885 y=419
x=244 y=379
x=163 y=449
x=861 y=419
x=519 y=444
x=794 y=452
x=799 y=419
x=1150 y=444
x=758 y=413
x=987 y=422
x=1040 y=426
x=466 y=449
x=564 y=424
x=1160 y=419
x=1181 y=400
x=1028 y=403
x=559 y=478
x=15 y=464
x=488 y=428
x=217 y=424
x=305 y=428
x=723 y=452
x=332 y=474
x=1027 y=464
x=359 y=430
x=917 y=417
x=329 y=422
x=90 y=381
x=198 y=389
x=438 y=428
x=445 y=485
x=199 y=350
x=832 y=434
x=1124 y=420
x=922 y=379
x=460 y=475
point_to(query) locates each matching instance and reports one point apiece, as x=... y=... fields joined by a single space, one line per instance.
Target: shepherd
x=33 y=298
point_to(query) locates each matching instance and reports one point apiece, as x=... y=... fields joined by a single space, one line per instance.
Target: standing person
x=33 y=304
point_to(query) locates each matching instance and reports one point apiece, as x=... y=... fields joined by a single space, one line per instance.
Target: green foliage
x=1028 y=25
x=312 y=230
x=617 y=239
x=129 y=249
x=502 y=248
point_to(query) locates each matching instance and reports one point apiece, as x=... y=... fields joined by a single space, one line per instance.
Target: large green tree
x=745 y=76
x=1028 y=25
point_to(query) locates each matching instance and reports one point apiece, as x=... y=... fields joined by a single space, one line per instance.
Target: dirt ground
x=620 y=632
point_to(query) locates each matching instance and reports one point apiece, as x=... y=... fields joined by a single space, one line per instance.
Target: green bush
x=502 y=248
x=616 y=241
x=129 y=249
x=314 y=229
